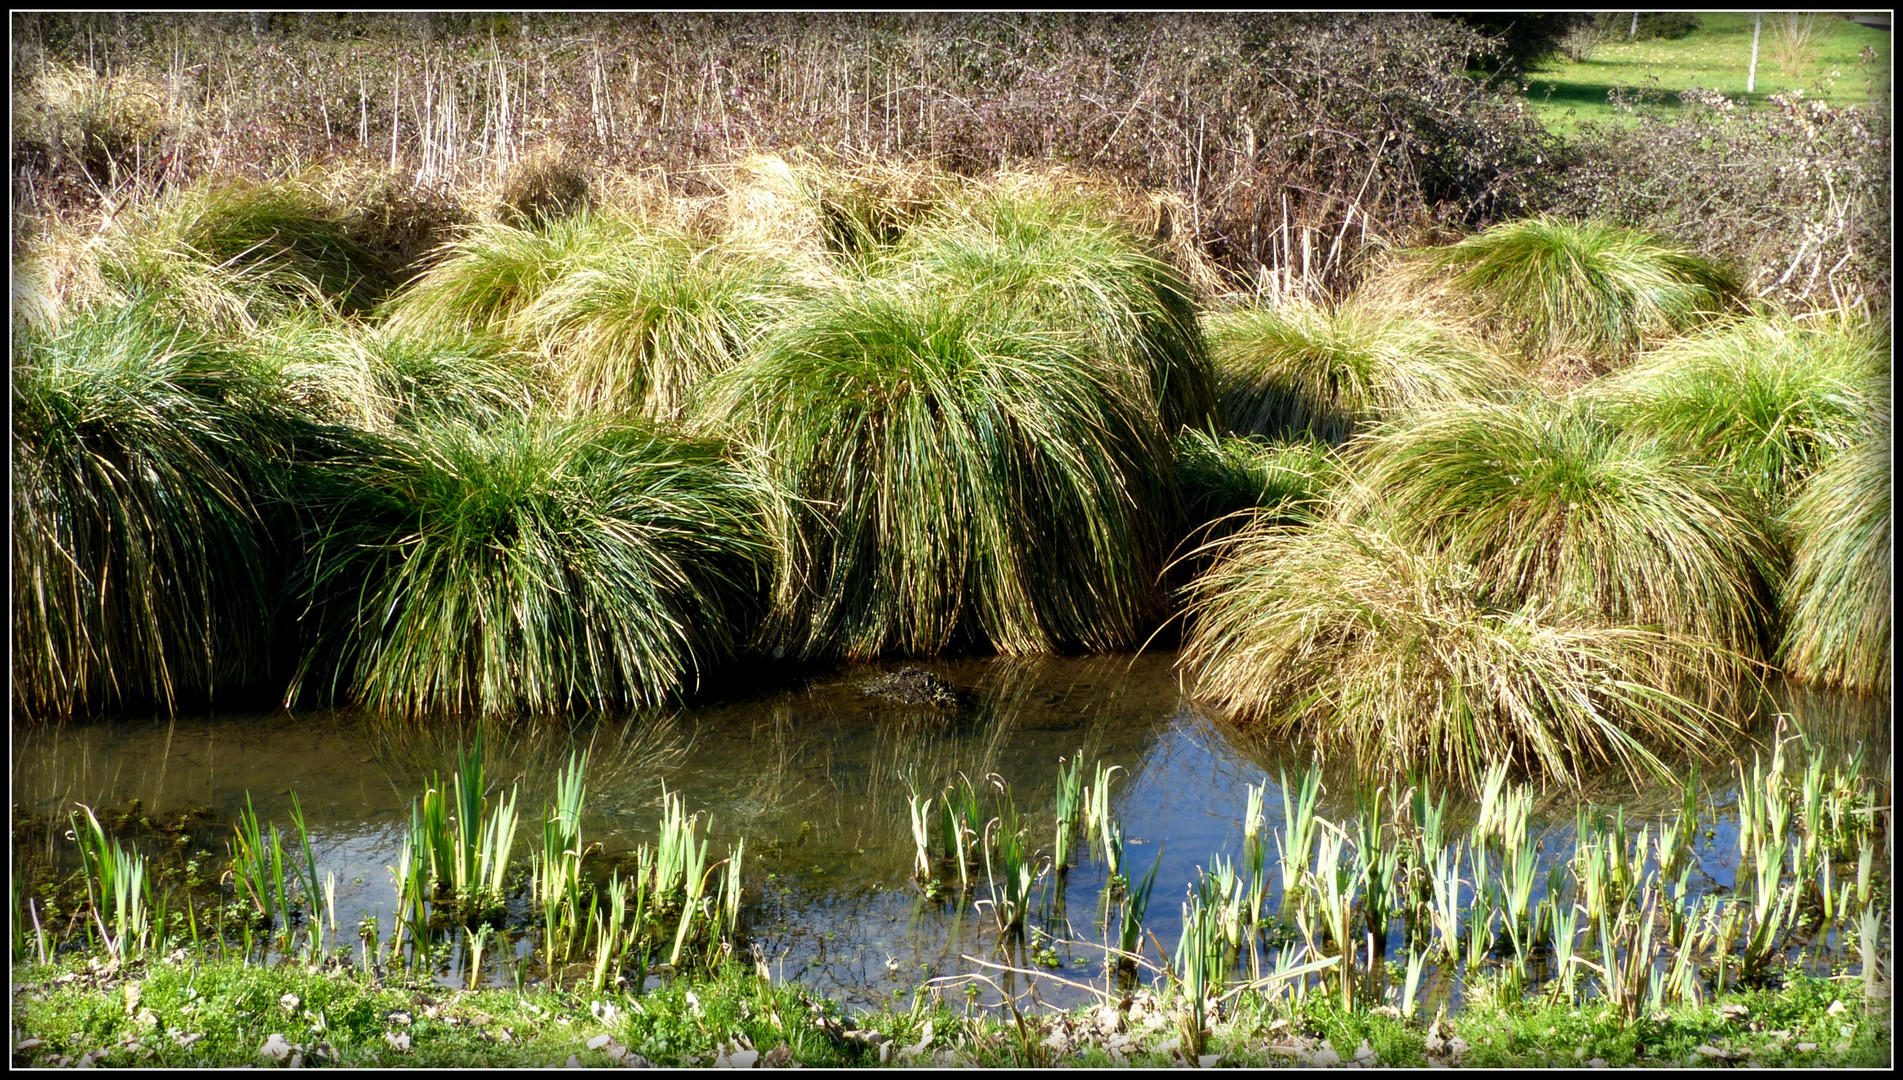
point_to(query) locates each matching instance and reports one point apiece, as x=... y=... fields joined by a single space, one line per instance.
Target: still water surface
x=815 y=778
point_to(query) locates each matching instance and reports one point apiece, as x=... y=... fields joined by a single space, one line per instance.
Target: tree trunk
x=1634 y=32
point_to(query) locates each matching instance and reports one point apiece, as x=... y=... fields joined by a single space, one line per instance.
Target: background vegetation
x=951 y=331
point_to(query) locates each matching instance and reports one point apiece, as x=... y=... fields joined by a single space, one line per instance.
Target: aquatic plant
x=258 y=867
x=141 y=571
x=1768 y=398
x=1056 y=260
x=1551 y=285
x=636 y=325
x=961 y=478
x=919 y=813
x=1135 y=905
x=1070 y=807
x=1342 y=635
x=1200 y=965
x=1302 y=369
x=527 y=566
x=1017 y=868
x=1836 y=601
x=1535 y=495
x=116 y=885
x=556 y=874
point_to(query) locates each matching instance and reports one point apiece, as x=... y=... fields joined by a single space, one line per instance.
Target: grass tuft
x=528 y=566
x=543 y=187
x=1551 y=286
x=1305 y=369
x=1768 y=398
x=635 y=326
x=139 y=566
x=1344 y=637
x=1062 y=263
x=371 y=377
x=485 y=281
x=1553 y=505
x=964 y=478
x=238 y=253
x=1837 y=598
x=1222 y=477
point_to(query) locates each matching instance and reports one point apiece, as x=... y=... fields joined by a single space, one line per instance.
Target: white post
x=1757 y=27
x=1634 y=32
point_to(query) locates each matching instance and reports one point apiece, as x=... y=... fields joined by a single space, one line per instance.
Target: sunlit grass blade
x=1836 y=602
x=1060 y=261
x=1226 y=478
x=636 y=325
x=1768 y=398
x=485 y=281
x=141 y=572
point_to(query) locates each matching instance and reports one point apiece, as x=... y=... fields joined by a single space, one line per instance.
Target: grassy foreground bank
x=173 y=1013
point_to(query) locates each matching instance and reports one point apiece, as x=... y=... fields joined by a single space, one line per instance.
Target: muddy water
x=815 y=777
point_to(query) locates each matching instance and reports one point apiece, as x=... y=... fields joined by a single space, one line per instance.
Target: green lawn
x=1715 y=56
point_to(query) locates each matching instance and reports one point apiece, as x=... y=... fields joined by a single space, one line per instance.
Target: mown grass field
x=1715 y=56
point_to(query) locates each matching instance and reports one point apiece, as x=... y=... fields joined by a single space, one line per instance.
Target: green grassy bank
x=165 y=1014
x=1824 y=59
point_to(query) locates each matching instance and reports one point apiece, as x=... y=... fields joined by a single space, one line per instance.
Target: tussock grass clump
x=1222 y=476
x=280 y=245
x=1056 y=260
x=1768 y=398
x=528 y=566
x=368 y=376
x=1551 y=504
x=1836 y=602
x=485 y=280
x=1306 y=369
x=965 y=479
x=1347 y=638
x=139 y=565
x=638 y=324
x=1551 y=286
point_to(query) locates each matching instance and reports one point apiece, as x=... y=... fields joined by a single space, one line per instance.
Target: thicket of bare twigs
x=1295 y=141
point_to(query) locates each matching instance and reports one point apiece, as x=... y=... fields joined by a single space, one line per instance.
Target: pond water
x=815 y=777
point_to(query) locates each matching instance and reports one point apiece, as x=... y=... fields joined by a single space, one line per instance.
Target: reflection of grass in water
x=623 y=755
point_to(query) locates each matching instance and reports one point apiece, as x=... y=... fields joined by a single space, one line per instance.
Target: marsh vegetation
x=1446 y=467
